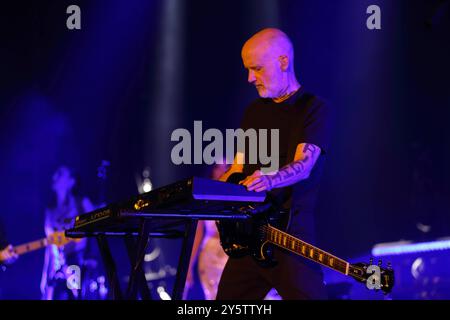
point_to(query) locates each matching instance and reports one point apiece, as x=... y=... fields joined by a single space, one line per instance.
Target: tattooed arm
x=306 y=156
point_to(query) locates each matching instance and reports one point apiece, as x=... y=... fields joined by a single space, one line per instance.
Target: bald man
x=303 y=123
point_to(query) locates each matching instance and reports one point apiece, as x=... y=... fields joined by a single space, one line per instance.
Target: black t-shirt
x=303 y=118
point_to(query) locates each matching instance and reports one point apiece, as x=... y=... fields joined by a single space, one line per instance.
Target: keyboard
x=192 y=198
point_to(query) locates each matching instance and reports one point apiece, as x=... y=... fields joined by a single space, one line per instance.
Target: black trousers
x=294 y=278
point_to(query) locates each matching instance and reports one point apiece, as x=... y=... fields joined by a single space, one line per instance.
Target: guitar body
x=240 y=238
x=244 y=237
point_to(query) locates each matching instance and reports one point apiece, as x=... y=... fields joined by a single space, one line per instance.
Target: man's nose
x=251 y=76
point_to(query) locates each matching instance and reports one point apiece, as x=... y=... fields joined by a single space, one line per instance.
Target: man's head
x=269 y=58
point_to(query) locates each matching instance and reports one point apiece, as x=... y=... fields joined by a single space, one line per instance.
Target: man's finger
x=243 y=182
x=263 y=188
x=248 y=181
x=255 y=185
x=258 y=187
x=254 y=182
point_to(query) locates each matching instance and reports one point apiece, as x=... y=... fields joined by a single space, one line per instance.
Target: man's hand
x=7 y=255
x=257 y=182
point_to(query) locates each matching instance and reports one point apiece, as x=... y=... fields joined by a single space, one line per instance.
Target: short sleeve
x=317 y=125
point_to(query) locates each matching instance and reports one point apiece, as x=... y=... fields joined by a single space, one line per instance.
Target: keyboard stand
x=137 y=278
x=136 y=244
x=110 y=268
x=172 y=225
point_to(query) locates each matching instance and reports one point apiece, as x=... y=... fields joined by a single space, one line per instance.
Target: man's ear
x=284 y=62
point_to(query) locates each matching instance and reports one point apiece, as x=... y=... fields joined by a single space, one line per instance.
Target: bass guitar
x=57 y=238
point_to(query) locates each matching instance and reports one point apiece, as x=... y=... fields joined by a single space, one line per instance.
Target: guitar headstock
x=58 y=238
x=374 y=276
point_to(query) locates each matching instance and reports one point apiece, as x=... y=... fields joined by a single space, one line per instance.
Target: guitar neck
x=302 y=248
x=30 y=246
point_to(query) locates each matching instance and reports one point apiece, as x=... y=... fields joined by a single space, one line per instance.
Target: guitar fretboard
x=30 y=246
x=288 y=242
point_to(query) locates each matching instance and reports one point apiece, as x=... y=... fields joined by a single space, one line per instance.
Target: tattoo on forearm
x=276 y=178
x=299 y=166
x=296 y=168
x=310 y=147
x=270 y=182
x=289 y=171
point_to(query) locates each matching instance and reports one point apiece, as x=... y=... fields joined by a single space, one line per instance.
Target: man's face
x=264 y=71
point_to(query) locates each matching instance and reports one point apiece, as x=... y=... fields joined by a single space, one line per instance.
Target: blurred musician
x=59 y=216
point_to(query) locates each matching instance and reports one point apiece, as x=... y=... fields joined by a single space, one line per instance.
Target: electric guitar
x=258 y=235
x=57 y=238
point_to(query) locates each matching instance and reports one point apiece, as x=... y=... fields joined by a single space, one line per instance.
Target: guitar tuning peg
x=380 y=262
x=371 y=261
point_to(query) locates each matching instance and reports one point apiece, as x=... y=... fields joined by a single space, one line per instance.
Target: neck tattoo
x=285 y=96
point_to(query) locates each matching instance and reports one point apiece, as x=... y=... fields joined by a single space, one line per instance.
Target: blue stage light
x=406 y=247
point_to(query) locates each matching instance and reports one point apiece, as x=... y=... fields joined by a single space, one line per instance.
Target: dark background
x=137 y=70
